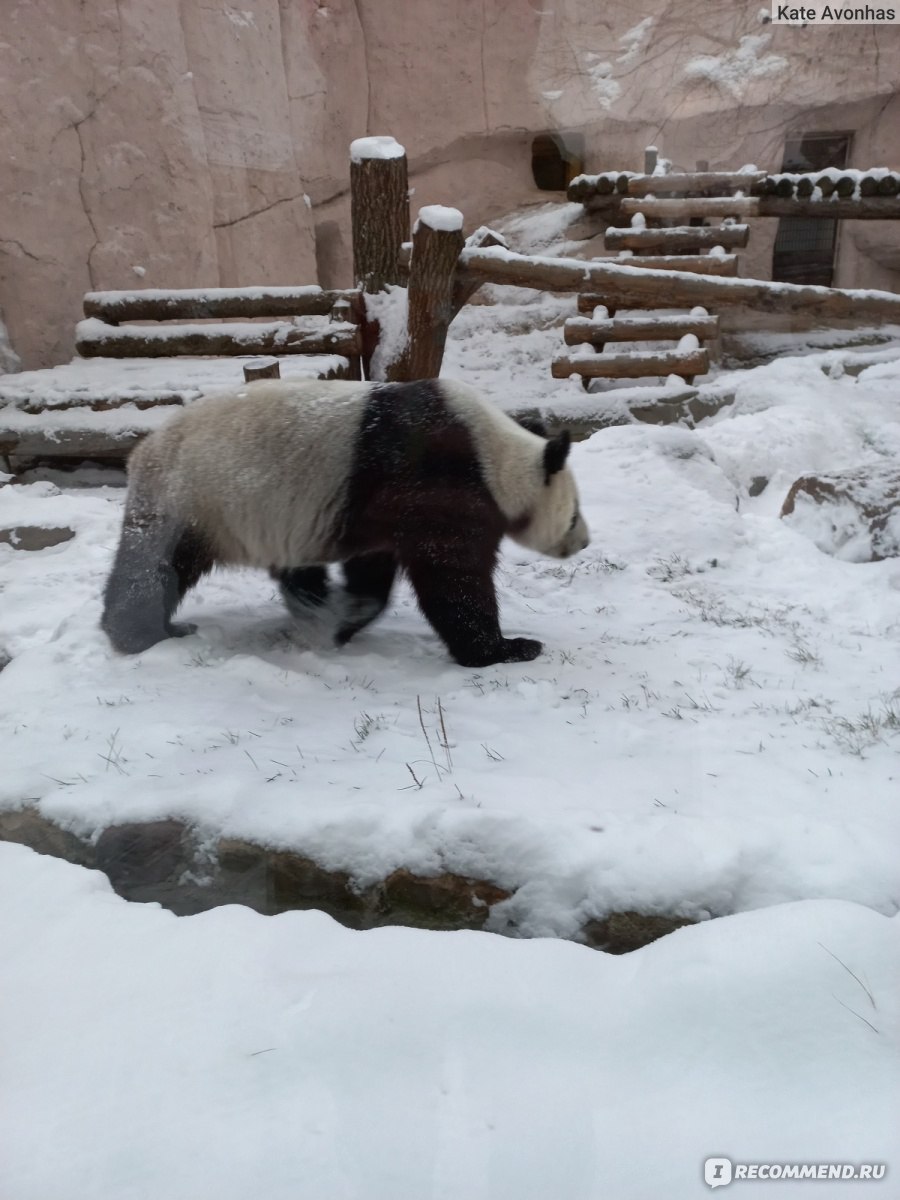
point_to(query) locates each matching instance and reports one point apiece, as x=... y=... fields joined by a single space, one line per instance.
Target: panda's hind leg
x=157 y=560
x=368 y=580
x=304 y=590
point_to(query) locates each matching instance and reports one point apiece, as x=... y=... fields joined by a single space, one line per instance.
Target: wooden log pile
x=95 y=339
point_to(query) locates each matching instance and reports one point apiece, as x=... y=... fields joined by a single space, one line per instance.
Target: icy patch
x=736 y=70
x=634 y=41
x=439 y=217
x=604 y=87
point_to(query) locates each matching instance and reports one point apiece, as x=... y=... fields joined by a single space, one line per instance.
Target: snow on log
x=629 y=286
x=581 y=330
x=697 y=264
x=437 y=216
x=687 y=364
x=678 y=237
x=703 y=206
x=366 y=148
x=694 y=181
x=95 y=339
x=152 y=304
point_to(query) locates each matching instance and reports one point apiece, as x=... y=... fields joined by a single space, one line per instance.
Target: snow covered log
x=262 y=369
x=582 y=330
x=631 y=286
x=379 y=211
x=94 y=339
x=694 y=181
x=854 y=515
x=679 y=238
x=697 y=264
x=437 y=242
x=833 y=207
x=151 y=304
x=684 y=208
x=686 y=363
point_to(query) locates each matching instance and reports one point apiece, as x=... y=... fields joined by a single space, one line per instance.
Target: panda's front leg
x=460 y=602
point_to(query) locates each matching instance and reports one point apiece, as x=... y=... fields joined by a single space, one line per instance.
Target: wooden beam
x=833 y=207
x=93 y=339
x=697 y=264
x=621 y=285
x=201 y=303
x=679 y=237
x=633 y=366
x=708 y=206
x=582 y=330
x=695 y=181
x=437 y=242
x=379 y=211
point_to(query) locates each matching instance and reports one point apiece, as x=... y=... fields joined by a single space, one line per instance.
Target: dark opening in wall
x=804 y=246
x=556 y=158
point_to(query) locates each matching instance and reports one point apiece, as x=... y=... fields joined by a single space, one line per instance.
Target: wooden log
x=437 y=242
x=697 y=264
x=651 y=157
x=379 y=211
x=678 y=238
x=684 y=208
x=208 y=303
x=266 y=369
x=845 y=186
x=825 y=184
x=889 y=185
x=622 y=285
x=694 y=181
x=865 y=208
x=482 y=238
x=582 y=330
x=95 y=340
x=805 y=187
x=633 y=366
x=868 y=186
x=784 y=186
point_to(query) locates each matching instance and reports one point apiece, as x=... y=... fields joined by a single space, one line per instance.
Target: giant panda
x=289 y=476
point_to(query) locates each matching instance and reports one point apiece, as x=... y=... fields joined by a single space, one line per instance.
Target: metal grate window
x=804 y=246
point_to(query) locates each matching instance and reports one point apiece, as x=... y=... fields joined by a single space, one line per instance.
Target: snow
x=202 y=295
x=439 y=217
x=230 y=1054
x=122 y=381
x=389 y=309
x=736 y=70
x=375 y=147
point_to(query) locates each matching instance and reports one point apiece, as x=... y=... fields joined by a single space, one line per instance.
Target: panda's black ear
x=555 y=454
x=533 y=425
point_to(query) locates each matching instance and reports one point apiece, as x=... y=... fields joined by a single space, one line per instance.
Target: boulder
x=853 y=515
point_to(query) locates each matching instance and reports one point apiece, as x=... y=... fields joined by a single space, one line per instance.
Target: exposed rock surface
x=167 y=862
x=35 y=537
x=854 y=515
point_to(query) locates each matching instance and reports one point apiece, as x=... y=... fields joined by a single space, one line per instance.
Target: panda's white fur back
x=268 y=492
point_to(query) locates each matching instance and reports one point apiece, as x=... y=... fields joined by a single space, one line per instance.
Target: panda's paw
x=181 y=629
x=520 y=649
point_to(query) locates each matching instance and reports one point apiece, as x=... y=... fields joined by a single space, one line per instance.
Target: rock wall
x=201 y=142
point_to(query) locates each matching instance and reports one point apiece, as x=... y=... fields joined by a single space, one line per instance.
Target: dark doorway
x=556 y=158
x=804 y=246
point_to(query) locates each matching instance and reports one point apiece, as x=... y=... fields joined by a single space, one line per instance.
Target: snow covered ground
x=234 y=1055
x=713 y=728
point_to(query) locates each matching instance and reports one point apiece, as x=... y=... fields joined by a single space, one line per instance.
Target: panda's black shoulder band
x=555 y=454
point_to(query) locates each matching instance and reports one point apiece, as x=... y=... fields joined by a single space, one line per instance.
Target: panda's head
x=554 y=524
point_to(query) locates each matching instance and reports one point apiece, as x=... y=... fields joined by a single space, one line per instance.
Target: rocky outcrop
x=171 y=864
x=854 y=515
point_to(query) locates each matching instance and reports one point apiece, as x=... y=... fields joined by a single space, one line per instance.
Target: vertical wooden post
x=651 y=156
x=262 y=368
x=437 y=243
x=379 y=210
